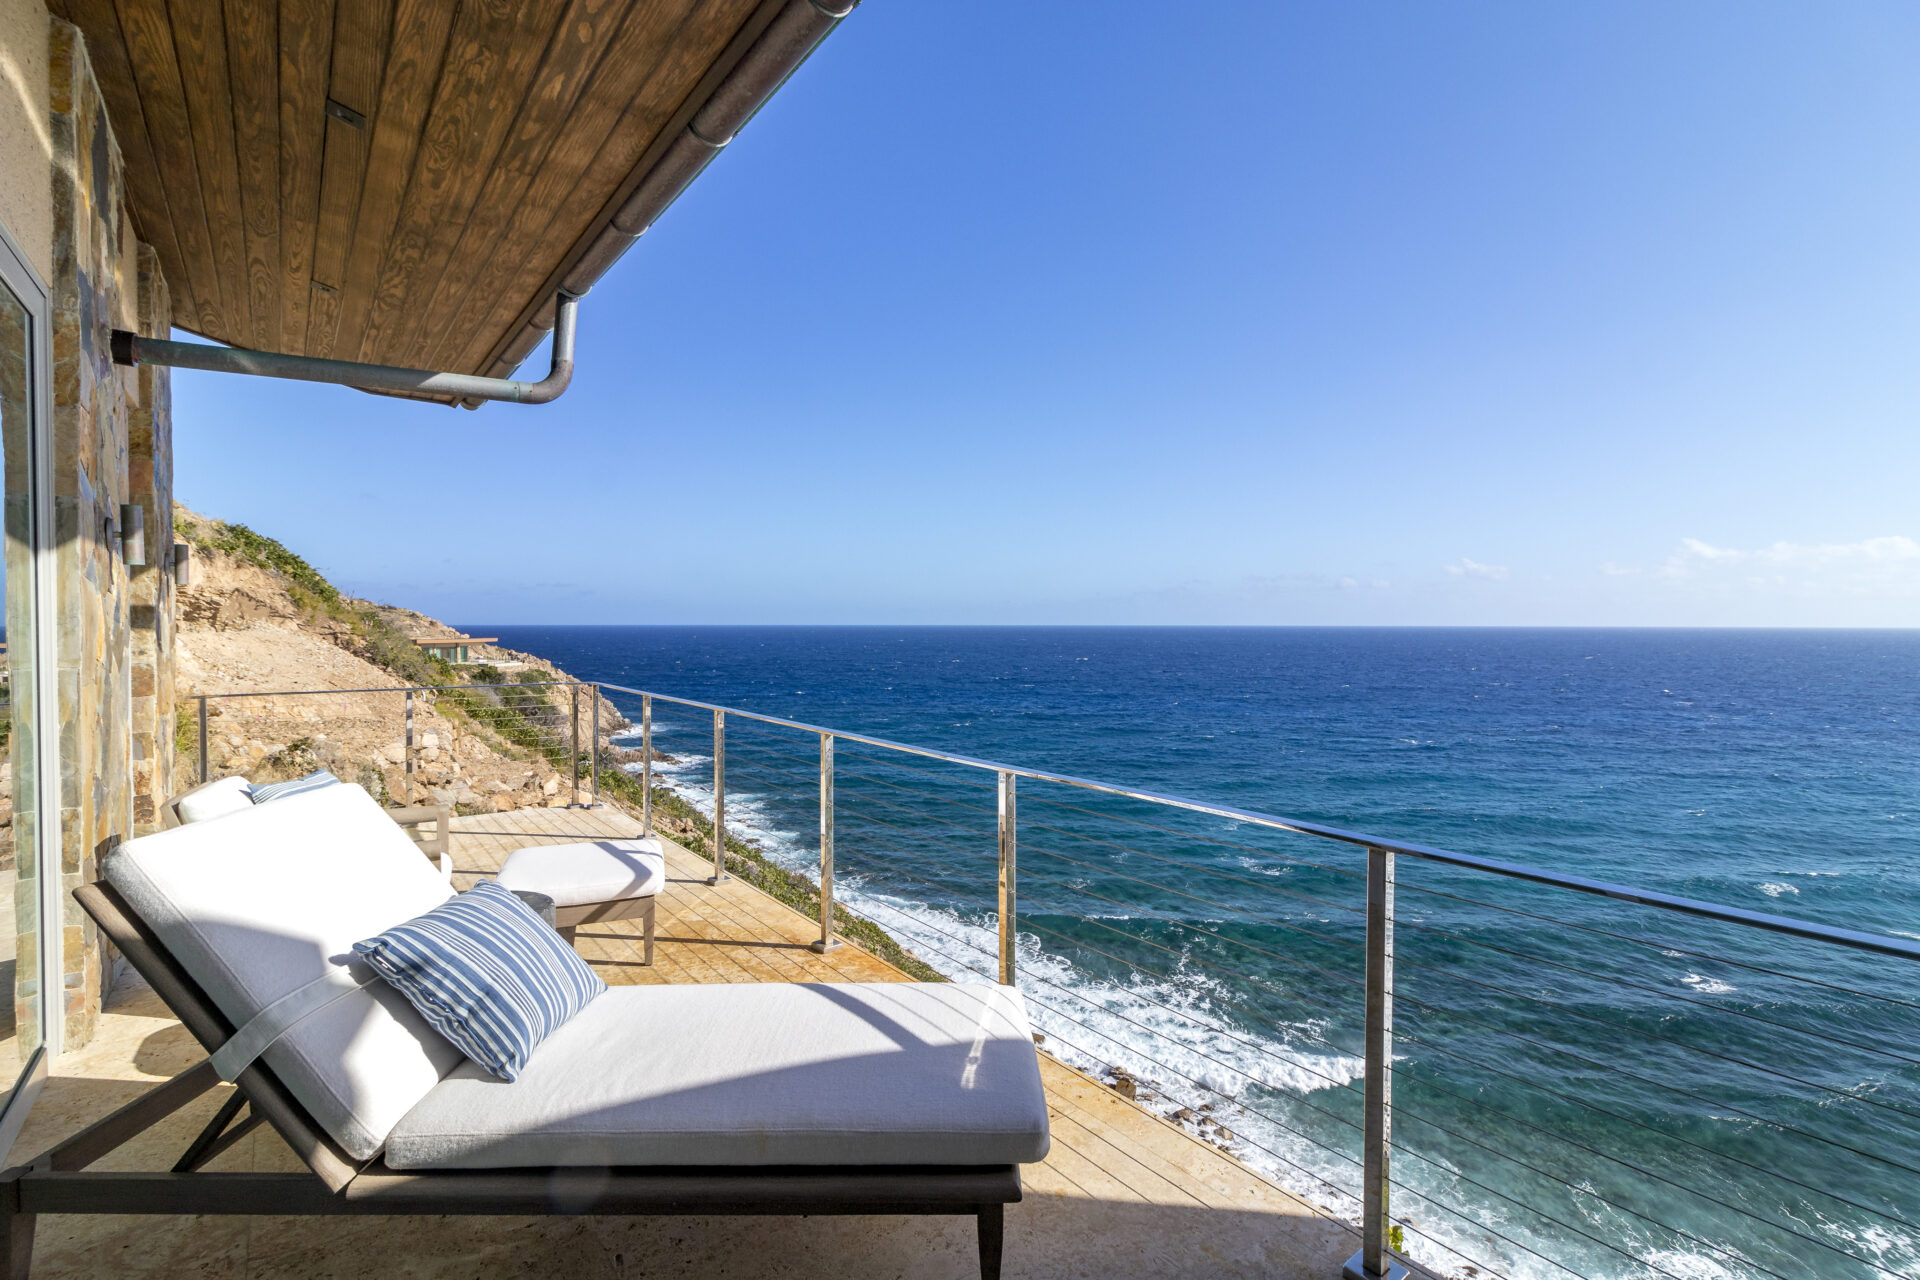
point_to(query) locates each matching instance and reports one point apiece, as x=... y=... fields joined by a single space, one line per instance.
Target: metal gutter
x=132 y=349
x=795 y=32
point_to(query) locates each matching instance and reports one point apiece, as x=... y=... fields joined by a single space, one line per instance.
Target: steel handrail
x=394 y=688
x=1858 y=940
x=1880 y=944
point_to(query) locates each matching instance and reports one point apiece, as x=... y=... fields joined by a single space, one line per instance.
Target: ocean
x=1582 y=1087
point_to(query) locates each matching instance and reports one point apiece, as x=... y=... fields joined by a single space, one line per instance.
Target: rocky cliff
x=255 y=618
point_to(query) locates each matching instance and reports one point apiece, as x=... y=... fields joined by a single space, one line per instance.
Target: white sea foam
x=1691 y=1266
x=1775 y=889
x=1708 y=986
x=1893 y=1250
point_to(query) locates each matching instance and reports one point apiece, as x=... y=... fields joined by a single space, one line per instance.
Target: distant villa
x=448 y=645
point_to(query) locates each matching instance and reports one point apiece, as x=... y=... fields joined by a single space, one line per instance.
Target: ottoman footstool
x=593 y=881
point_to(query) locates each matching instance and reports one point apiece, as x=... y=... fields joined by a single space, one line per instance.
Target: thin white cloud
x=1474 y=569
x=1894 y=556
x=1613 y=570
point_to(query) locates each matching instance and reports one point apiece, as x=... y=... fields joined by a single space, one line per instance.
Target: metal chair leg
x=16 y=1232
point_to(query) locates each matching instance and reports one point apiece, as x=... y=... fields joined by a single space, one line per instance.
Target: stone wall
x=150 y=481
x=112 y=445
x=25 y=147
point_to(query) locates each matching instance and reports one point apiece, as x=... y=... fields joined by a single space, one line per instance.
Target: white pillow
x=216 y=800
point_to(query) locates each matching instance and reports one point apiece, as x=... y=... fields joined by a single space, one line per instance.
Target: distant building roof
x=426 y=639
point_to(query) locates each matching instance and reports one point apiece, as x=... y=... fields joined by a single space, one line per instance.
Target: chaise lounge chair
x=438 y=846
x=885 y=1098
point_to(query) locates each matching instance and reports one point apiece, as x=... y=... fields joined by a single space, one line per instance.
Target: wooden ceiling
x=396 y=181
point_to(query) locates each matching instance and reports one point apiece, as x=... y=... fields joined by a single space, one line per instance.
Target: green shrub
x=310 y=589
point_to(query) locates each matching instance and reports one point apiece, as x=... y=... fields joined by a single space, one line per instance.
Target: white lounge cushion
x=591 y=871
x=753 y=1074
x=216 y=800
x=265 y=901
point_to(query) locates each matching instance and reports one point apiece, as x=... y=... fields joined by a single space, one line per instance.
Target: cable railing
x=1490 y=1069
x=522 y=707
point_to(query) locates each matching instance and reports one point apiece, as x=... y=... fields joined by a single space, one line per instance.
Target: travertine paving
x=1122 y=1194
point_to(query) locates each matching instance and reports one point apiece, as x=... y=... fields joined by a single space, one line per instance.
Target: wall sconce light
x=133 y=534
x=182 y=563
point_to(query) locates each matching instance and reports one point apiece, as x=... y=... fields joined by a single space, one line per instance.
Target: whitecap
x=1689 y=1266
x=1708 y=986
x=1774 y=890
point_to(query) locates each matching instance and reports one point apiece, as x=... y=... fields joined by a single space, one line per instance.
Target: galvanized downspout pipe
x=132 y=349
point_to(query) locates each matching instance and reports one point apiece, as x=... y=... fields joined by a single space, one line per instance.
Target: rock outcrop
x=248 y=628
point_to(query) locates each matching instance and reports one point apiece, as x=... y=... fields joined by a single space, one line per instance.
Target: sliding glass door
x=30 y=972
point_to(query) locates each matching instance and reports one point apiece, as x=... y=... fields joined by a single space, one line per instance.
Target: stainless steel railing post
x=1008 y=900
x=1372 y=1262
x=203 y=739
x=827 y=941
x=594 y=758
x=646 y=764
x=573 y=744
x=719 y=797
x=408 y=751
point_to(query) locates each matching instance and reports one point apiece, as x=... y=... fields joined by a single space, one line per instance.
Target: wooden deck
x=730 y=932
x=1122 y=1193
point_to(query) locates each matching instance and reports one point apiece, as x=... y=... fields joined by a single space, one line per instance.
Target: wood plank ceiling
x=397 y=181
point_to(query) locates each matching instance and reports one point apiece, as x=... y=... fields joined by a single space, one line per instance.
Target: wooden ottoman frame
x=567 y=919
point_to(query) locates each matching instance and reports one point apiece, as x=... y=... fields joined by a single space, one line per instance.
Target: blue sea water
x=1581 y=1087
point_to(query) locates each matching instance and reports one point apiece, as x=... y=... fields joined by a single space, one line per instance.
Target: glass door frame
x=19 y=278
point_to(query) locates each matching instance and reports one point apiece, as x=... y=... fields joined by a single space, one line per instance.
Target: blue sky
x=1238 y=313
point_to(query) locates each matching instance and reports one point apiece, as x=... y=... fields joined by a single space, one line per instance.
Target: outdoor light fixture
x=133 y=534
x=182 y=562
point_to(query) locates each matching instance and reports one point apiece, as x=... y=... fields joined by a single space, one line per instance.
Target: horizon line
x=1216 y=626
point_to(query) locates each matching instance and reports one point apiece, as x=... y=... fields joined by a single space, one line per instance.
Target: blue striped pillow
x=280 y=790
x=487 y=973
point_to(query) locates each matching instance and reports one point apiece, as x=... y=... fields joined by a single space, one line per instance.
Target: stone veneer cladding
x=112 y=430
